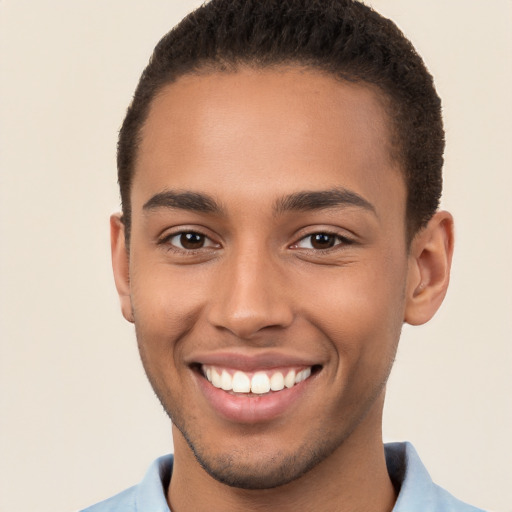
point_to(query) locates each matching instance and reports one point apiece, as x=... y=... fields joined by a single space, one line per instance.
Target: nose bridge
x=250 y=293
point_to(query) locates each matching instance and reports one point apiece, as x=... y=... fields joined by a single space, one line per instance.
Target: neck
x=353 y=478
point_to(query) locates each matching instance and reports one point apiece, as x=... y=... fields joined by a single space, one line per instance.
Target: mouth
x=251 y=393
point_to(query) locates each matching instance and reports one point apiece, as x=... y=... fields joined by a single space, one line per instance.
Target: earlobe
x=430 y=260
x=120 y=264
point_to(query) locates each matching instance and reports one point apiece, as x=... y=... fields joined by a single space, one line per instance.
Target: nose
x=251 y=296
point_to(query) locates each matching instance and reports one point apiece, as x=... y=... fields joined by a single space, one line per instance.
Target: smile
x=259 y=382
x=255 y=389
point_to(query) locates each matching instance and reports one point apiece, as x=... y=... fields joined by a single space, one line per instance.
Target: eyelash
x=338 y=241
x=167 y=240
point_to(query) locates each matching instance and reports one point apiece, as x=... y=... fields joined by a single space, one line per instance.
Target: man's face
x=267 y=243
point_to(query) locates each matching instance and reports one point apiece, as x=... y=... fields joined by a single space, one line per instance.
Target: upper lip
x=263 y=360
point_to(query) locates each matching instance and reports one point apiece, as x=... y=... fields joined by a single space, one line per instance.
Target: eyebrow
x=322 y=199
x=299 y=201
x=192 y=201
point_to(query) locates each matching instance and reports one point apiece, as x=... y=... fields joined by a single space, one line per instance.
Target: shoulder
x=448 y=503
x=416 y=490
x=148 y=495
x=124 y=501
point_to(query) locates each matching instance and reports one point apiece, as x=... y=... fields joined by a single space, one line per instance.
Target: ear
x=121 y=265
x=430 y=260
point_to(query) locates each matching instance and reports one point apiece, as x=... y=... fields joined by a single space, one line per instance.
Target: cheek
x=165 y=309
x=166 y=304
x=360 y=307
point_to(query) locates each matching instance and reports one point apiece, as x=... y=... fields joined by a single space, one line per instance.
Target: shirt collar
x=151 y=492
x=409 y=476
x=415 y=488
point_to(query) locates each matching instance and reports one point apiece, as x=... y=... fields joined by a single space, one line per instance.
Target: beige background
x=78 y=420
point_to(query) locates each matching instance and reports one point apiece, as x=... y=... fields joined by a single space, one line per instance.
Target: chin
x=251 y=469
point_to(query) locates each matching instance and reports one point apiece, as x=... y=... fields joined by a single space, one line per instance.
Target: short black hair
x=343 y=38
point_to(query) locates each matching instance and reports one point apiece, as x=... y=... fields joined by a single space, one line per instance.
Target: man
x=280 y=174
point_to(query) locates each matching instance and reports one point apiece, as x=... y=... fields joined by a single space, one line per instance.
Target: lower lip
x=253 y=408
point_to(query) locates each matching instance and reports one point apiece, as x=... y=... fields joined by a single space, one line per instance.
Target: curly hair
x=344 y=38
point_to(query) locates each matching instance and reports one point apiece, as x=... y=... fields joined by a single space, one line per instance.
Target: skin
x=248 y=140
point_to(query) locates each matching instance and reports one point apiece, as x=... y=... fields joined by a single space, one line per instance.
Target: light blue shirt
x=417 y=491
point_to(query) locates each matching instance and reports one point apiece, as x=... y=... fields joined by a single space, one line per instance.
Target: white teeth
x=226 y=382
x=277 y=382
x=216 y=381
x=260 y=383
x=241 y=383
x=303 y=375
x=289 y=380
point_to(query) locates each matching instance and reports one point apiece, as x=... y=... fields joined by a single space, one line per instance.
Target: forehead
x=295 y=128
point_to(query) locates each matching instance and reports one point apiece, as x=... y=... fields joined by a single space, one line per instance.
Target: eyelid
x=166 y=238
x=343 y=240
x=207 y=240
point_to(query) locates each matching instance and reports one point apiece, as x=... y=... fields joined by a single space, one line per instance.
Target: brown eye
x=191 y=241
x=188 y=241
x=322 y=240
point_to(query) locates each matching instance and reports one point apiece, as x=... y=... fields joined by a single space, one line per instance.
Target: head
x=343 y=38
x=280 y=173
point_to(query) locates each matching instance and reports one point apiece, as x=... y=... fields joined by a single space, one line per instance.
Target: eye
x=189 y=241
x=319 y=241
